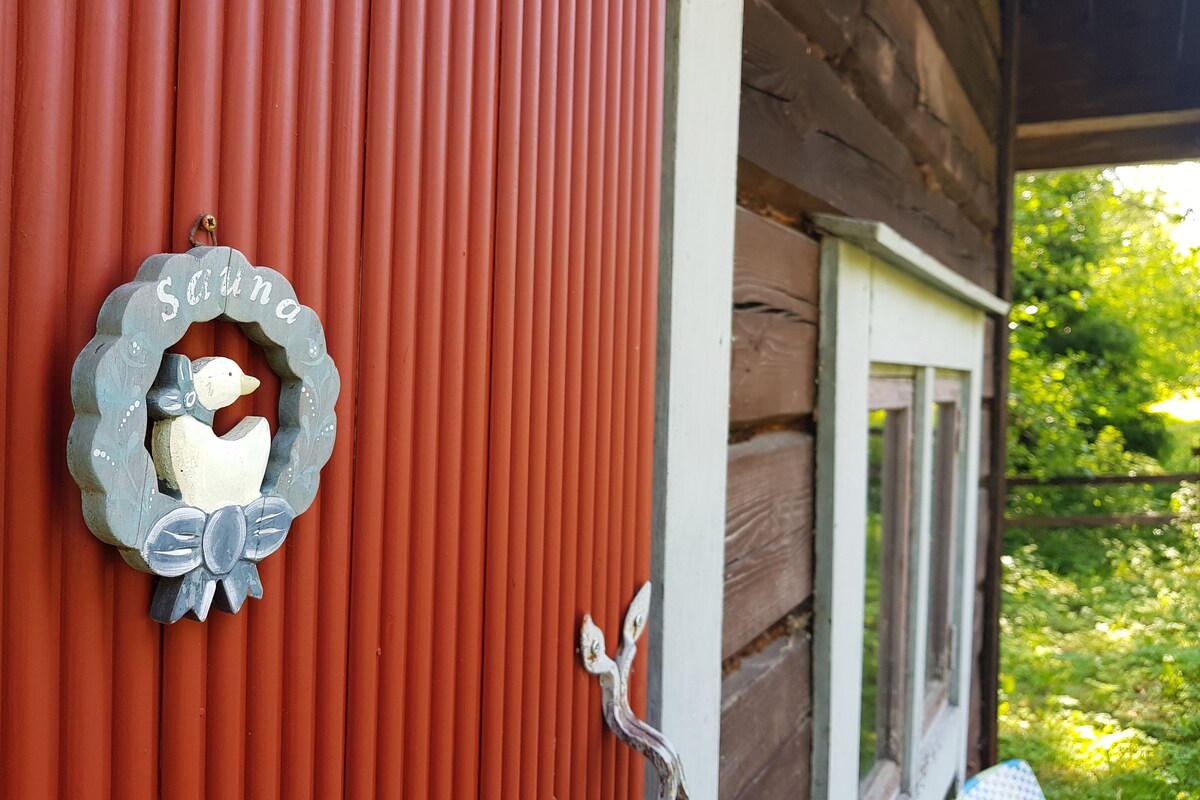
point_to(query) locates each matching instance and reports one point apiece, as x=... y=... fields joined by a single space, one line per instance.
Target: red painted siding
x=467 y=193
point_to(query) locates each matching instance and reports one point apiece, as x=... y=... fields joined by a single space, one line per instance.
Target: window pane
x=888 y=507
x=868 y=735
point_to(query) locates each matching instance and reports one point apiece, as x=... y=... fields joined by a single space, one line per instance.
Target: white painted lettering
x=230 y=283
x=169 y=299
x=282 y=311
x=264 y=287
x=194 y=287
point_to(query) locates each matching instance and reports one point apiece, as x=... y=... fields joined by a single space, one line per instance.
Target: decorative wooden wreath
x=203 y=510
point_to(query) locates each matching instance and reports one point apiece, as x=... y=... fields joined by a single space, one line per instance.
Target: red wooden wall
x=467 y=193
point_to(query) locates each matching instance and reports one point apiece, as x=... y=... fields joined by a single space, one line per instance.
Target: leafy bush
x=1103 y=323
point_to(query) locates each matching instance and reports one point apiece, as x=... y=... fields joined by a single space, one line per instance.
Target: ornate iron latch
x=614 y=682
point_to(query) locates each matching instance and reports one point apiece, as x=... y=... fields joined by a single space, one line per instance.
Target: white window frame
x=888 y=307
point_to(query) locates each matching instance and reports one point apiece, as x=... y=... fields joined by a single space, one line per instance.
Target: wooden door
x=467 y=193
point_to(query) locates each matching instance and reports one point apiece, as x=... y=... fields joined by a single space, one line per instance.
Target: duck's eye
x=231 y=374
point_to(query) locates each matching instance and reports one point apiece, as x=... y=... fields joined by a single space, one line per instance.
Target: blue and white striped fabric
x=1012 y=780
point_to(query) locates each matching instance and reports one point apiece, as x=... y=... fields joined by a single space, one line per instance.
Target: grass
x=1185 y=436
x=1100 y=672
x=868 y=739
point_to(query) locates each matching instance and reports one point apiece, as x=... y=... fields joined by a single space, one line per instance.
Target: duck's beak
x=249 y=384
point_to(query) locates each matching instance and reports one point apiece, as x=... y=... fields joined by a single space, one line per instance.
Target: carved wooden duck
x=209 y=471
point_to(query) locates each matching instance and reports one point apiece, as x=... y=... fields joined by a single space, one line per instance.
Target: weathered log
x=768 y=533
x=802 y=125
x=766 y=722
x=775 y=266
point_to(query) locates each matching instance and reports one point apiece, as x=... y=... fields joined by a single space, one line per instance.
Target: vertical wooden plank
x=541 y=237
x=591 y=572
x=344 y=253
x=393 y=758
x=372 y=453
x=238 y=172
x=311 y=279
x=33 y=464
x=696 y=60
x=644 y=250
x=149 y=164
x=454 y=492
x=197 y=131
x=8 y=113
x=540 y=534
x=500 y=435
x=276 y=245
x=624 y=429
x=572 y=681
x=93 y=267
x=989 y=665
x=520 y=463
x=432 y=325
x=557 y=655
x=607 y=595
x=480 y=242
x=845 y=284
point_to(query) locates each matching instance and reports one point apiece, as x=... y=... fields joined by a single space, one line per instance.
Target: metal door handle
x=614 y=684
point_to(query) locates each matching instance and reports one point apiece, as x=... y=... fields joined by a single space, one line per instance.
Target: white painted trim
x=887 y=307
x=880 y=240
x=843 y=385
x=700 y=134
x=918 y=586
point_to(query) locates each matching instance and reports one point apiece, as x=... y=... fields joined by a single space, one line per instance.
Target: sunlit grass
x=1100 y=685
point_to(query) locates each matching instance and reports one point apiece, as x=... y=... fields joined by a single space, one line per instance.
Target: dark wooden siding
x=883 y=109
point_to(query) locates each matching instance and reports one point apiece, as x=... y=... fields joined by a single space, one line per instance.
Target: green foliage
x=1103 y=323
x=1100 y=674
x=1100 y=683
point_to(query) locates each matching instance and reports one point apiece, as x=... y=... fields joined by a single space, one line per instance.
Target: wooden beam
x=808 y=129
x=1090 y=521
x=1087 y=480
x=1105 y=148
x=1120 y=122
x=962 y=31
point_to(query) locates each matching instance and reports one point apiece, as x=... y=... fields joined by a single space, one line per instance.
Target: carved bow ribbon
x=196 y=554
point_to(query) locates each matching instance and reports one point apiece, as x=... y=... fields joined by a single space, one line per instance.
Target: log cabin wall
x=891 y=110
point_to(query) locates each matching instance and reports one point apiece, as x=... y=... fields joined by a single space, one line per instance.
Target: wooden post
x=700 y=134
x=990 y=656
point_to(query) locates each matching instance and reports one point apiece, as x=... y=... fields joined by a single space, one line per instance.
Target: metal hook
x=209 y=223
x=614 y=685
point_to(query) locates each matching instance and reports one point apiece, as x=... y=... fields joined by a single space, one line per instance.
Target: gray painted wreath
x=203 y=510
